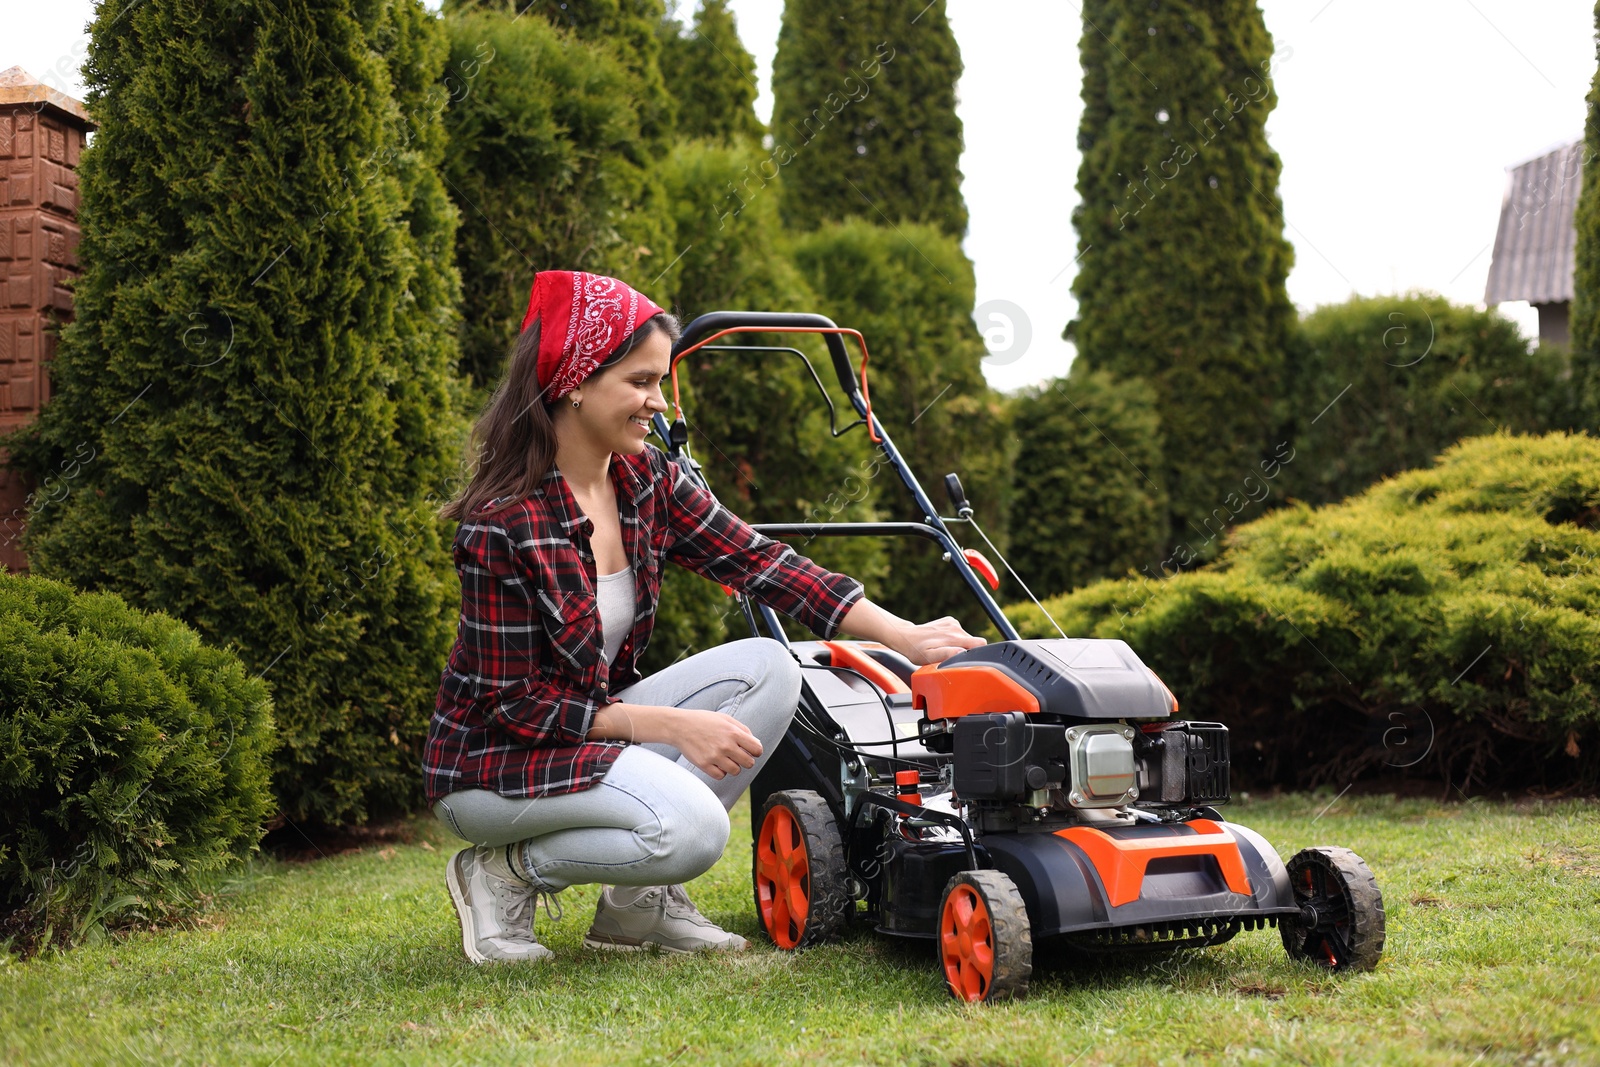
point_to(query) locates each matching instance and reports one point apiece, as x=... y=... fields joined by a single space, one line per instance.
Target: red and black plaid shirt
x=526 y=674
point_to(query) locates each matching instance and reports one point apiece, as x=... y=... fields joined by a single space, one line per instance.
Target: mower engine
x=1065 y=731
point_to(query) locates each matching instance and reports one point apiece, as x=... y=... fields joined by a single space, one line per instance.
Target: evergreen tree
x=255 y=397
x=711 y=75
x=628 y=29
x=550 y=171
x=1180 y=233
x=758 y=425
x=1586 y=268
x=866 y=136
x=909 y=290
x=864 y=114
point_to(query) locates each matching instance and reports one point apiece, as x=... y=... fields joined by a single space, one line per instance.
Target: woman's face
x=617 y=401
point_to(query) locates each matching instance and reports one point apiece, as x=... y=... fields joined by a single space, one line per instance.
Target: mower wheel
x=985 y=941
x=799 y=874
x=1341 y=910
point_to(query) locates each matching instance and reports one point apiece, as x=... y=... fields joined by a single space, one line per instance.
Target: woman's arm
x=929 y=642
x=718 y=744
x=721 y=745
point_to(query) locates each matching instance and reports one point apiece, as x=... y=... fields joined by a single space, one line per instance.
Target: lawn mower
x=1018 y=792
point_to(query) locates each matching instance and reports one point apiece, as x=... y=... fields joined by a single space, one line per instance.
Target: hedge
x=1382 y=384
x=1087 y=504
x=134 y=762
x=1445 y=622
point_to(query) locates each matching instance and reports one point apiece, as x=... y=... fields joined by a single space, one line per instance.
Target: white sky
x=1395 y=122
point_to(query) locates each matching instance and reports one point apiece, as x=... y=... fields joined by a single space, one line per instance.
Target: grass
x=1493 y=957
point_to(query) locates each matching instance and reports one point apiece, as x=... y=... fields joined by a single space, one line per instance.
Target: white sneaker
x=662 y=916
x=496 y=908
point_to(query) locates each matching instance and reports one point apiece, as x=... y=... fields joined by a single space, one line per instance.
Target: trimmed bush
x=1087 y=505
x=1446 y=620
x=1382 y=384
x=134 y=760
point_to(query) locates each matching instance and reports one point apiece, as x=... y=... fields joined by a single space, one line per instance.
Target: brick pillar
x=41 y=137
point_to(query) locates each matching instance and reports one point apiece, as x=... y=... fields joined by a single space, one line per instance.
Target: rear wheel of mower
x=1341 y=924
x=985 y=942
x=799 y=875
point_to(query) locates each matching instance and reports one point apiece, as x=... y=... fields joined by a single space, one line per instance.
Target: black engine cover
x=1078 y=678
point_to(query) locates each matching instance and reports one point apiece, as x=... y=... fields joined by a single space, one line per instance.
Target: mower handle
x=713 y=322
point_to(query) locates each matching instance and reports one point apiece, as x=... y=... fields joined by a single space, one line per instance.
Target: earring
x=575 y=403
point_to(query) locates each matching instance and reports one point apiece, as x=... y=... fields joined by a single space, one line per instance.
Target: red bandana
x=583 y=317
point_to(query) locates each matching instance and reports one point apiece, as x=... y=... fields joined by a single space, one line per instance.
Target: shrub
x=1383 y=384
x=1086 y=505
x=133 y=761
x=549 y=170
x=1447 y=619
x=757 y=424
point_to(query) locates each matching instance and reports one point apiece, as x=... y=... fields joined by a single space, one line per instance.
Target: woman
x=548 y=750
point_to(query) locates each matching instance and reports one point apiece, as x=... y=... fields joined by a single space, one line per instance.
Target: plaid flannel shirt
x=526 y=674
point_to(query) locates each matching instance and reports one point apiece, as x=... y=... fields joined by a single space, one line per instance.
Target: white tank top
x=615 y=596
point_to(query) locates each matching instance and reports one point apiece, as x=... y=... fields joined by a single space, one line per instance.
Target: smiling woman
x=548 y=749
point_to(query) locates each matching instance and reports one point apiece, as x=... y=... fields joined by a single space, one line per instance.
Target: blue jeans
x=655 y=818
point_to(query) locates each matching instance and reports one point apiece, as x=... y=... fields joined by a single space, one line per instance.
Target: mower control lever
x=958 y=497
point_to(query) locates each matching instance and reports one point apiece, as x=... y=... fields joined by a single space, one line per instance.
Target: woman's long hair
x=513 y=443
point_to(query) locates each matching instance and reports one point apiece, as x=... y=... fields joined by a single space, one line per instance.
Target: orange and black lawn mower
x=1016 y=792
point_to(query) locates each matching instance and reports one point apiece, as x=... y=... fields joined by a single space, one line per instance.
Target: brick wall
x=41 y=139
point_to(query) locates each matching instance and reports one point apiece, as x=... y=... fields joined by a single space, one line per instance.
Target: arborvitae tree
x=1586 y=268
x=1086 y=506
x=550 y=171
x=758 y=425
x=253 y=399
x=627 y=29
x=1180 y=232
x=864 y=114
x=712 y=76
x=909 y=290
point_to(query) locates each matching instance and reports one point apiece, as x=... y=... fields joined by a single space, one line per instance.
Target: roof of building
x=1536 y=241
x=17 y=86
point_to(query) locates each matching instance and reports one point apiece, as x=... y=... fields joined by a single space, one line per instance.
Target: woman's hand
x=930 y=642
x=718 y=744
x=934 y=641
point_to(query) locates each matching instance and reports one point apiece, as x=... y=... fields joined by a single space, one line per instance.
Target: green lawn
x=1493 y=956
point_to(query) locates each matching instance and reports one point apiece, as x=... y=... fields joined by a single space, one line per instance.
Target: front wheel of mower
x=798 y=870
x=1341 y=910
x=985 y=942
